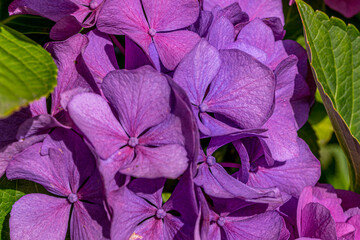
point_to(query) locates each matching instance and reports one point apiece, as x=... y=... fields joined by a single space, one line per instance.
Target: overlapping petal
x=93 y=116
x=141 y=98
x=39 y=216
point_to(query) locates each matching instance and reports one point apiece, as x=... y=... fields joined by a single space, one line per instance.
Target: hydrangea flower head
x=144 y=138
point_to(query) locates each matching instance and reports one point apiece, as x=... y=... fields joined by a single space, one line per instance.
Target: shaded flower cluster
x=138 y=153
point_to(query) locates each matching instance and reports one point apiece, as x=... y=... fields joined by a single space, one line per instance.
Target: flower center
x=221 y=221
x=72 y=198
x=152 y=32
x=210 y=160
x=160 y=213
x=94 y=4
x=203 y=107
x=253 y=167
x=133 y=141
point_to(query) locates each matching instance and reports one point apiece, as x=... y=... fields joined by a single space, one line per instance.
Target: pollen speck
x=134 y=236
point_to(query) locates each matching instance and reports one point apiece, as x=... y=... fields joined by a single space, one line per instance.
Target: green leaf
x=27 y=71
x=292 y=18
x=334 y=53
x=29 y=24
x=10 y=192
x=308 y=134
x=334 y=169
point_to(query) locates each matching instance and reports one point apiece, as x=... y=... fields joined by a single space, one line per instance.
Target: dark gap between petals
x=143 y=9
x=145 y=220
x=82 y=185
x=174 y=213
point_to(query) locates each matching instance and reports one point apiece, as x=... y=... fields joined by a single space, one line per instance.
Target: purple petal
x=65 y=54
x=39 y=216
x=65 y=28
x=345 y=231
x=214 y=232
x=218 y=183
x=325 y=196
x=167 y=132
x=99 y=55
x=150 y=229
x=30 y=165
x=182 y=108
x=348 y=8
x=168 y=15
x=201 y=26
x=128 y=211
x=316 y=222
x=110 y=167
x=243 y=90
x=38 y=107
x=92 y=190
x=68 y=148
x=232 y=12
x=291 y=176
x=183 y=200
x=254 y=8
x=282 y=133
x=9 y=127
x=174 y=228
x=89 y=221
x=258 y=36
x=221 y=33
x=49 y=9
x=355 y=221
x=262 y=8
x=135 y=57
x=149 y=189
x=37 y=125
x=263 y=226
x=349 y=199
x=8 y=152
x=125 y=17
x=169 y=161
x=173 y=46
x=196 y=71
x=276 y=26
x=93 y=116
x=141 y=98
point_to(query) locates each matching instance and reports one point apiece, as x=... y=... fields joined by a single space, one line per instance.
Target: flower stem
x=118 y=44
